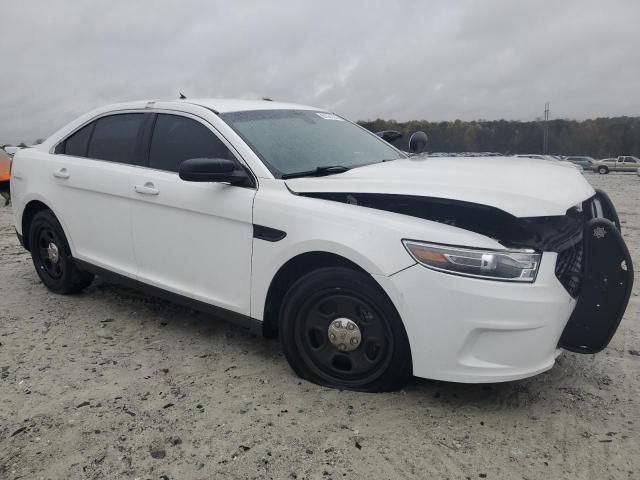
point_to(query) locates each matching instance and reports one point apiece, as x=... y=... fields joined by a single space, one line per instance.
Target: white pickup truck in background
x=624 y=163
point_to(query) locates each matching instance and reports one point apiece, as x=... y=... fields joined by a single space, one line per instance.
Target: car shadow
x=517 y=394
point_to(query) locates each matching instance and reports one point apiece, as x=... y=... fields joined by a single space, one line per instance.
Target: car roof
x=224 y=105
x=218 y=105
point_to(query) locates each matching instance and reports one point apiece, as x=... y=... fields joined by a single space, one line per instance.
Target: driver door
x=193 y=239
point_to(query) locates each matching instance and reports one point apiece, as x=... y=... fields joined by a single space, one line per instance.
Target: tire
x=603 y=170
x=369 y=349
x=52 y=258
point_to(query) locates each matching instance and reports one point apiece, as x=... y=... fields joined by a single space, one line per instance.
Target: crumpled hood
x=520 y=186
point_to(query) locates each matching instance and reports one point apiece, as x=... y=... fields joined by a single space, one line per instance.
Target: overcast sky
x=436 y=60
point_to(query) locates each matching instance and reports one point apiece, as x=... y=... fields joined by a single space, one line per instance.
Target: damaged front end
x=593 y=262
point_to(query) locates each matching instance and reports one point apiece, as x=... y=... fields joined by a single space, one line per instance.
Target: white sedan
x=369 y=264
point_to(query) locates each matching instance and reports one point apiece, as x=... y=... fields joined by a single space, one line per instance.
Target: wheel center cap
x=344 y=334
x=53 y=253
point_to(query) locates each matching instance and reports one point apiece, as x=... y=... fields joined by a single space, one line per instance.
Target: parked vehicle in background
x=11 y=151
x=586 y=163
x=5 y=174
x=368 y=263
x=538 y=156
x=624 y=163
x=549 y=158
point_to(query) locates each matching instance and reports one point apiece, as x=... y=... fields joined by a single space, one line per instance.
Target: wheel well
x=288 y=274
x=29 y=212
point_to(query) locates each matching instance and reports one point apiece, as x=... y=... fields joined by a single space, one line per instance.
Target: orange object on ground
x=5 y=164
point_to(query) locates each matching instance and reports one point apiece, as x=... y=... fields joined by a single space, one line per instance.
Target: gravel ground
x=112 y=384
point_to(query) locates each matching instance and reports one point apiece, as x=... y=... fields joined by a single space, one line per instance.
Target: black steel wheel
x=47 y=251
x=51 y=256
x=339 y=329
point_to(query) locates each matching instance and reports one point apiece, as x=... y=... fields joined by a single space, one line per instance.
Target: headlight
x=505 y=265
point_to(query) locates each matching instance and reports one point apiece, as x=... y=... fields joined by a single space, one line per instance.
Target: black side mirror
x=217 y=170
x=418 y=142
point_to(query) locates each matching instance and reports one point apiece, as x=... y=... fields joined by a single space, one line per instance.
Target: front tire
x=52 y=258
x=339 y=329
x=603 y=170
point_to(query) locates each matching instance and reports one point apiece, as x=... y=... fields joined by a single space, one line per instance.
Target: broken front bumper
x=473 y=330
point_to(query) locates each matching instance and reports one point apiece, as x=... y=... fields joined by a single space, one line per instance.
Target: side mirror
x=217 y=170
x=418 y=142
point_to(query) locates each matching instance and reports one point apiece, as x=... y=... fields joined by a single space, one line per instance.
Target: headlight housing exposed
x=504 y=265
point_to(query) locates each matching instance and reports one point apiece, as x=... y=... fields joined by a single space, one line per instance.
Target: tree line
x=598 y=138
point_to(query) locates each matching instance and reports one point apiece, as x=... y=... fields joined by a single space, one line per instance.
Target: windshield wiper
x=317 y=172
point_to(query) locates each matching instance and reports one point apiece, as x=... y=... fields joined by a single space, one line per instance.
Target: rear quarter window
x=77 y=143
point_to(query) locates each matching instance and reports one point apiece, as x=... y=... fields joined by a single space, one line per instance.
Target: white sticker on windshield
x=329 y=116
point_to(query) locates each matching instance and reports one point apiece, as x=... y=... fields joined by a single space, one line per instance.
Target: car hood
x=519 y=186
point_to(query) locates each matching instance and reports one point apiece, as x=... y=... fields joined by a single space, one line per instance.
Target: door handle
x=62 y=173
x=146 y=189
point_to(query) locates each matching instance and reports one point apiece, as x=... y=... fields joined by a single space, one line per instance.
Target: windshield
x=294 y=141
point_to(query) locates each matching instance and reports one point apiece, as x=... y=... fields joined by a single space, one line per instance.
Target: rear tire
x=52 y=258
x=603 y=170
x=338 y=328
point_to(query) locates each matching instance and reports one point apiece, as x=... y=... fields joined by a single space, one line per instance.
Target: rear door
x=91 y=175
x=191 y=238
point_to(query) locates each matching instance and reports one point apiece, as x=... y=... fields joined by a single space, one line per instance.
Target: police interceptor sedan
x=369 y=264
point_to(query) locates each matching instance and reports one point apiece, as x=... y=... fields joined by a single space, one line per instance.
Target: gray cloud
x=434 y=60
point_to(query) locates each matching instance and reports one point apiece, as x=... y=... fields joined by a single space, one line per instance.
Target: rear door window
x=116 y=138
x=176 y=139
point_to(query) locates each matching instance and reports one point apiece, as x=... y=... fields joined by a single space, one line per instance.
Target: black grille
x=569 y=268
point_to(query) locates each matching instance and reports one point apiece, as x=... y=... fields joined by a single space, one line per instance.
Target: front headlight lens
x=506 y=265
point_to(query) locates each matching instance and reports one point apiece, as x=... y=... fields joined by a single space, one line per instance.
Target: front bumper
x=471 y=330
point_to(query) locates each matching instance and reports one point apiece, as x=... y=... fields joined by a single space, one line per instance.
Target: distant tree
x=22 y=145
x=599 y=138
x=38 y=141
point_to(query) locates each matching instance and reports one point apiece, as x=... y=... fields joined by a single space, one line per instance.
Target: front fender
x=369 y=238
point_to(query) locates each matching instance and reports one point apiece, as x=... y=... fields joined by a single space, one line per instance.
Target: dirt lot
x=113 y=384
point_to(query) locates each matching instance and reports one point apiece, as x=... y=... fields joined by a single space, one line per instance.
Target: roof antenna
x=182 y=96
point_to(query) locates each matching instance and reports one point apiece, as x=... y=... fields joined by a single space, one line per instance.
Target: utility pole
x=545 y=141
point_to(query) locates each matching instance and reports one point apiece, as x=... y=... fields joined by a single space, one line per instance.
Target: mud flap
x=604 y=291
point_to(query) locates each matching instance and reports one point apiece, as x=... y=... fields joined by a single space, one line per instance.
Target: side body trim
x=248 y=323
x=267 y=233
